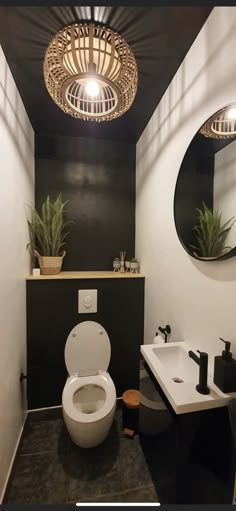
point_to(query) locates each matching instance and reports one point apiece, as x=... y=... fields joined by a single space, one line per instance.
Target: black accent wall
x=52 y=311
x=98 y=179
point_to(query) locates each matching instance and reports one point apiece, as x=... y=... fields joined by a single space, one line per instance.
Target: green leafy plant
x=210 y=233
x=47 y=228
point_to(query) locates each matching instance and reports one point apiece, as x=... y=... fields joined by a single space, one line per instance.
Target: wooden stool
x=131 y=401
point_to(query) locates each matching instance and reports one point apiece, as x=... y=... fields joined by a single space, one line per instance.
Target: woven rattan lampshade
x=222 y=124
x=90 y=72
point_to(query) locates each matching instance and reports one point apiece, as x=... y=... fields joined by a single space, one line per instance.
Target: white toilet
x=89 y=395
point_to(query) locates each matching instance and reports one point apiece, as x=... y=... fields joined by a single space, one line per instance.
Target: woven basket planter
x=49 y=265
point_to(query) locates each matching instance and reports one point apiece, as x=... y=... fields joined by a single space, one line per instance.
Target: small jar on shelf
x=116 y=264
x=134 y=265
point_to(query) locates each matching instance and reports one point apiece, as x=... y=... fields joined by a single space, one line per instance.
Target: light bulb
x=92 y=88
x=232 y=113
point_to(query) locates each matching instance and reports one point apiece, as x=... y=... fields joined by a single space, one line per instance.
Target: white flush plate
x=87 y=301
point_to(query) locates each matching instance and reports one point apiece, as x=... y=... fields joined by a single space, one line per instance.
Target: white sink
x=177 y=375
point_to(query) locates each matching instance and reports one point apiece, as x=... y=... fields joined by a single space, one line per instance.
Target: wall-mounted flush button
x=87 y=301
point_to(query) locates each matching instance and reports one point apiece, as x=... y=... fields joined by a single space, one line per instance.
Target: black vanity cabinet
x=52 y=311
x=194 y=457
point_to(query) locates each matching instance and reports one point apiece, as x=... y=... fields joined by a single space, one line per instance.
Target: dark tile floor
x=49 y=468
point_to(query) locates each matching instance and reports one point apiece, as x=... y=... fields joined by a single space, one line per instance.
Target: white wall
x=16 y=189
x=224 y=195
x=198 y=299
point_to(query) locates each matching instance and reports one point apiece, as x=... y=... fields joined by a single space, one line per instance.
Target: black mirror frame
x=230 y=253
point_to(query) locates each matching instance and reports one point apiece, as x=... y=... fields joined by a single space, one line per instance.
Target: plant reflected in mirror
x=210 y=233
x=205 y=193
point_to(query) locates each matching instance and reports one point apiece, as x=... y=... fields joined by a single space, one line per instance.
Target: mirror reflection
x=205 y=195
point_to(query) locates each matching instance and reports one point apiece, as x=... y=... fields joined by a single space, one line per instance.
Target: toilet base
x=91 y=434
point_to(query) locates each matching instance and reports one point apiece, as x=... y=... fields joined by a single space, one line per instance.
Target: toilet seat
x=89 y=395
x=74 y=383
x=87 y=349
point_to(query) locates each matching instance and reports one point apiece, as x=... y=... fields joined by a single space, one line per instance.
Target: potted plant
x=116 y=264
x=47 y=234
x=134 y=265
x=210 y=233
x=127 y=265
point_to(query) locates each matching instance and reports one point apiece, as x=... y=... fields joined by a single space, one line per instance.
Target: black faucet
x=165 y=330
x=202 y=361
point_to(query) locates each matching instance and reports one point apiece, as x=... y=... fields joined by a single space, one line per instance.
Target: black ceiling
x=159 y=37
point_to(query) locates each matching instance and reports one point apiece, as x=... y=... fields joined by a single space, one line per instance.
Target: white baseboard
x=45 y=408
x=13 y=459
x=54 y=407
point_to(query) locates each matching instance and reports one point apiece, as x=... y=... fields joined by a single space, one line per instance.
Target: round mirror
x=205 y=194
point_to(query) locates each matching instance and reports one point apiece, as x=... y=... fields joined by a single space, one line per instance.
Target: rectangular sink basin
x=177 y=375
x=177 y=363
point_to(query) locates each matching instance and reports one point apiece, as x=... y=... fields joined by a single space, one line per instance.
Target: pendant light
x=222 y=124
x=90 y=72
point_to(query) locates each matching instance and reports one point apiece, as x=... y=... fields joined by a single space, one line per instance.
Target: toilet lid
x=87 y=349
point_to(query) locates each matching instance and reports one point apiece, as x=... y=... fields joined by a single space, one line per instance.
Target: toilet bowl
x=89 y=395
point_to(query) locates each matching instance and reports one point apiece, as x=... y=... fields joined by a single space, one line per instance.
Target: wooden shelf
x=87 y=275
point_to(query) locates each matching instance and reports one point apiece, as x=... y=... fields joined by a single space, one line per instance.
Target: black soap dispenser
x=225 y=370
